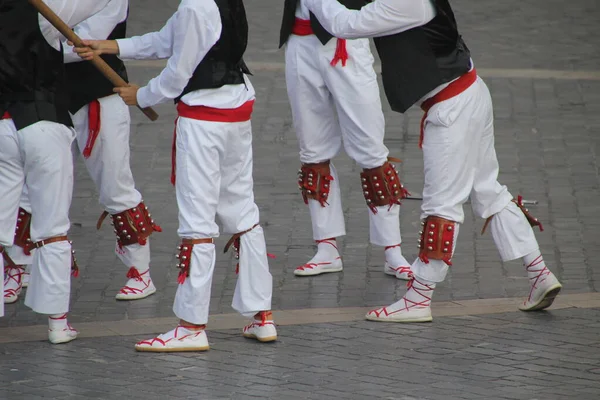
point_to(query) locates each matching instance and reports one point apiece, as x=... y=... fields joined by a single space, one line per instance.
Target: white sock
x=535 y=265
x=58 y=322
x=326 y=251
x=394 y=257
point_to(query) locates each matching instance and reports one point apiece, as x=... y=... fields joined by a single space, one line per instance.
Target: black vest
x=32 y=76
x=96 y=85
x=223 y=64
x=416 y=61
x=289 y=16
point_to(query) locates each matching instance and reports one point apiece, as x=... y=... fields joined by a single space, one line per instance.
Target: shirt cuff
x=144 y=97
x=126 y=48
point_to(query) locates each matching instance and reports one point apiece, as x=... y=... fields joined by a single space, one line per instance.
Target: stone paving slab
x=550 y=355
x=547 y=140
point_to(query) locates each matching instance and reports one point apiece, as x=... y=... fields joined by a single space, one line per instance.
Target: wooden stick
x=525 y=202
x=98 y=62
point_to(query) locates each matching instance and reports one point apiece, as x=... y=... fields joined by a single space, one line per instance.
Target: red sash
x=453 y=89
x=203 y=113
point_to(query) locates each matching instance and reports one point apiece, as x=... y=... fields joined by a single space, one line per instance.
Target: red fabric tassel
x=173 y=152
x=341 y=53
x=93 y=126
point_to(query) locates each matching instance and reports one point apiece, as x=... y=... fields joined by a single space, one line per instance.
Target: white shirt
x=185 y=39
x=302 y=11
x=98 y=26
x=379 y=18
x=71 y=12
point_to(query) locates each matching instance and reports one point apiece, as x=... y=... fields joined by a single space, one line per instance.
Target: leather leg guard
x=314 y=181
x=235 y=241
x=382 y=187
x=132 y=226
x=41 y=243
x=530 y=218
x=22 y=232
x=437 y=240
x=185 y=256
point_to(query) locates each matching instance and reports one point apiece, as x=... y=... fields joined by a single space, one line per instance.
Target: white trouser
x=16 y=253
x=460 y=162
x=332 y=105
x=40 y=155
x=109 y=168
x=214 y=178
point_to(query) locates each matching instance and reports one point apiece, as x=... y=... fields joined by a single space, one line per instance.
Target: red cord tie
x=93 y=126
x=341 y=53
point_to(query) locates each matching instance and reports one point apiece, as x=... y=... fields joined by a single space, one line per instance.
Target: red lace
x=133 y=273
x=64 y=316
x=409 y=303
x=14 y=277
x=538 y=278
x=330 y=241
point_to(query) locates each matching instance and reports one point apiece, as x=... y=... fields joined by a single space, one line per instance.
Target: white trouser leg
x=200 y=147
x=356 y=96
x=455 y=155
x=238 y=212
x=49 y=168
x=316 y=126
x=109 y=167
x=512 y=234
x=328 y=221
x=384 y=226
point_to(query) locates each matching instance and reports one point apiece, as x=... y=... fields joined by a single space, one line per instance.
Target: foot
x=395 y=263
x=60 y=331
x=13 y=283
x=138 y=286
x=326 y=260
x=262 y=328
x=544 y=289
x=415 y=306
x=182 y=338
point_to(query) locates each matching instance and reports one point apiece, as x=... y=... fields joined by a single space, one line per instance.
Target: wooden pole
x=98 y=62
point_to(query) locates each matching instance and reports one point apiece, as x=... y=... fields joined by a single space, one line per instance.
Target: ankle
x=266 y=315
x=192 y=327
x=57 y=321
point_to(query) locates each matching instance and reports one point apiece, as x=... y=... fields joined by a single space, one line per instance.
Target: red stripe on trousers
x=203 y=113
x=453 y=89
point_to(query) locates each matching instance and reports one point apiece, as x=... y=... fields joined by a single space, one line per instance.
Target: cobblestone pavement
x=504 y=356
x=540 y=60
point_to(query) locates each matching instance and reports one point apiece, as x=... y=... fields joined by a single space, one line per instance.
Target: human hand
x=128 y=94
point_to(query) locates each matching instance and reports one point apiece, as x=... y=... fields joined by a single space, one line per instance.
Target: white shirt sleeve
x=379 y=18
x=98 y=26
x=193 y=32
x=71 y=12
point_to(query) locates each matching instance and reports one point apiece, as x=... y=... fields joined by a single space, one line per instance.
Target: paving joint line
x=217 y=322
